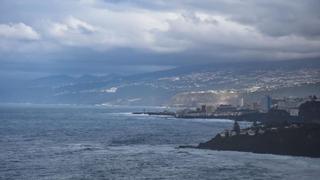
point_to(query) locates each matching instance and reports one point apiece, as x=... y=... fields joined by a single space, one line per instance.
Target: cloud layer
x=210 y=29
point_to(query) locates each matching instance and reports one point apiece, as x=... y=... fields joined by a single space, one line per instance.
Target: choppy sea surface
x=87 y=142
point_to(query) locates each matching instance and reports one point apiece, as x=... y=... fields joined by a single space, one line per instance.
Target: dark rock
x=310 y=111
x=296 y=140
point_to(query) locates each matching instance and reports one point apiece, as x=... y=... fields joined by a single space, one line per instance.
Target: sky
x=39 y=37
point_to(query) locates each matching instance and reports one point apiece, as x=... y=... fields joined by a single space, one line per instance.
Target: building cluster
x=223 y=110
x=308 y=112
x=291 y=105
x=254 y=130
x=288 y=104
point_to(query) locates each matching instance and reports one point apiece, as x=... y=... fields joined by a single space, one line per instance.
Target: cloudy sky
x=40 y=37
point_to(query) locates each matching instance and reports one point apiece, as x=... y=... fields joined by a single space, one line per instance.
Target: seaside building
x=251 y=105
x=242 y=102
x=226 y=110
x=266 y=103
x=209 y=109
x=289 y=104
x=203 y=108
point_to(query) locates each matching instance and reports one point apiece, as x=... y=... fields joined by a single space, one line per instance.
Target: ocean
x=95 y=142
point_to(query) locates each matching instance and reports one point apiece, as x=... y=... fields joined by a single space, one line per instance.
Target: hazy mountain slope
x=174 y=86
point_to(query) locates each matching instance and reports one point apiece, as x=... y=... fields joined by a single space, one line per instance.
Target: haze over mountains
x=181 y=86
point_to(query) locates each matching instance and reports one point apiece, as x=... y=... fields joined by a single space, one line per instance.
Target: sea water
x=88 y=142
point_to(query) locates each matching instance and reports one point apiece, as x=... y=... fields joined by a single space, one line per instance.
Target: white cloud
x=75 y=32
x=110 y=90
x=71 y=26
x=19 y=31
x=105 y=29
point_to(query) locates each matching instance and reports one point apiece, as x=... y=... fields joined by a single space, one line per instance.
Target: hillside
x=189 y=85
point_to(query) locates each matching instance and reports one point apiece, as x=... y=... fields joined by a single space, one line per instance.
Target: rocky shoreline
x=293 y=139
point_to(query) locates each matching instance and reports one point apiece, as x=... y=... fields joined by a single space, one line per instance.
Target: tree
x=236 y=127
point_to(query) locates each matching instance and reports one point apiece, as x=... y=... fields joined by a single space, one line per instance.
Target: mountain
x=186 y=85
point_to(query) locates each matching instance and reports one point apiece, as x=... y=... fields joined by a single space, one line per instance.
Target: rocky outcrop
x=310 y=111
x=294 y=139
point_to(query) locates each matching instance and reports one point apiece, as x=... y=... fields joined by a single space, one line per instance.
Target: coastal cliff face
x=296 y=140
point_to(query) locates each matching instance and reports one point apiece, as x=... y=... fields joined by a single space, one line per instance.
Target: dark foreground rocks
x=294 y=139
